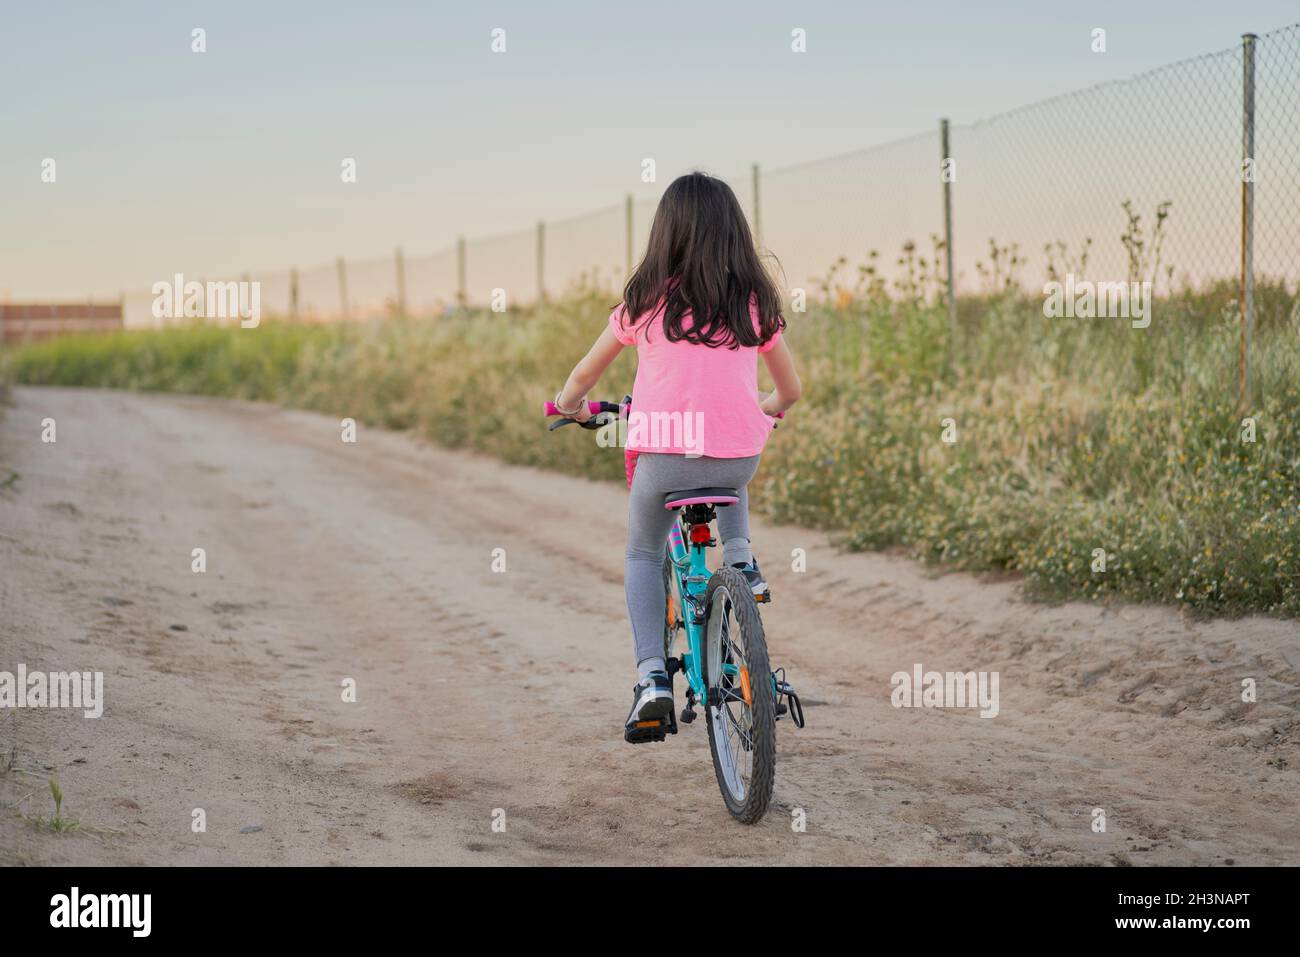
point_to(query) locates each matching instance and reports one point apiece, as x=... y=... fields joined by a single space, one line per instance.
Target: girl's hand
x=583 y=412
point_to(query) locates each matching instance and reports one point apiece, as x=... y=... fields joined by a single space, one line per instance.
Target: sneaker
x=652 y=699
x=757 y=583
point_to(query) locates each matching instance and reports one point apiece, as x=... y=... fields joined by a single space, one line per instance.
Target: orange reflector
x=744 y=687
x=647 y=724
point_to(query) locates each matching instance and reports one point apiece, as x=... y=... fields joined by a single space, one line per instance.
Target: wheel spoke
x=741 y=730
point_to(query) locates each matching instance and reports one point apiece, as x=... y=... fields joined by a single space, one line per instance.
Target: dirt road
x=485 y=696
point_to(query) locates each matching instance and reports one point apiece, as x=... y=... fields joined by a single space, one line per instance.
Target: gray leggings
x=648 y=522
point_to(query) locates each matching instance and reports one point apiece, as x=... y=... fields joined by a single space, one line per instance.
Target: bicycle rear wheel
x=741 y=707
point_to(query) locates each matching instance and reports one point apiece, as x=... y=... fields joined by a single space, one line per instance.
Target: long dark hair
x=701 y=260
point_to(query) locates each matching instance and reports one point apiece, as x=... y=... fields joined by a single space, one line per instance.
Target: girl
x=699 y=310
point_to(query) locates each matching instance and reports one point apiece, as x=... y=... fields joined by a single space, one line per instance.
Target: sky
x=228 y=161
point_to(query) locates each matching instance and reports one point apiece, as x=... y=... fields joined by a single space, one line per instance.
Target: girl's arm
x=587 y=373
x=780 y=366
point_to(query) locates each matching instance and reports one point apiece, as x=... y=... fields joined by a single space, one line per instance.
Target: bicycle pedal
x=787 y=700
x=688 y=715
x=765 y=598
x=654 y=730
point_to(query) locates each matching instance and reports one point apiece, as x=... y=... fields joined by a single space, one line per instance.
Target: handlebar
x=593 y=407
x=598 y=412
x=597 y=408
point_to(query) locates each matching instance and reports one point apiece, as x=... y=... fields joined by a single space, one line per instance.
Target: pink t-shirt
x=691 y=399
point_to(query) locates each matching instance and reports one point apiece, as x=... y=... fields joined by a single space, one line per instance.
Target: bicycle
x=725 y=649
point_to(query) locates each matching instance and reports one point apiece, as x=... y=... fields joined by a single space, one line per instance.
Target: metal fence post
x=758 y=222
x=343 y=288
x=945 y=175
x=541 y=263
x=401 y=282
x=627 y=223
x=1247 y=213
x=293 y=294
x=460 y=272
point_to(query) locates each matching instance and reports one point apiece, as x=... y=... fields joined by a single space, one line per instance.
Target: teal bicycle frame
x=691 y=575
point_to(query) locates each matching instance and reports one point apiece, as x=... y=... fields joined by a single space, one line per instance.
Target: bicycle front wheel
x=741 y=707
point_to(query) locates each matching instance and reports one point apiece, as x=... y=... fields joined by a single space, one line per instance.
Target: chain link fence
x=1141 y=178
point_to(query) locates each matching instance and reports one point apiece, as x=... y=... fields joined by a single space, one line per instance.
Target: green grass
x=58 y=822
x=1072 y=435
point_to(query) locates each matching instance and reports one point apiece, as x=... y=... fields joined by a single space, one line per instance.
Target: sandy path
x=480 y=691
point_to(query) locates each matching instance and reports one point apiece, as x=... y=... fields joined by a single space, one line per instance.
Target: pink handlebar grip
x=550 y=409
